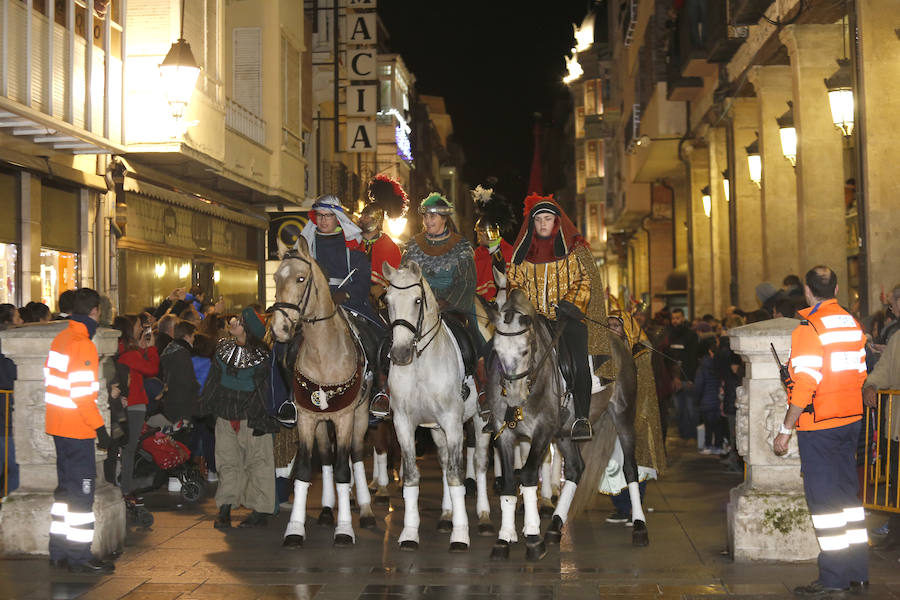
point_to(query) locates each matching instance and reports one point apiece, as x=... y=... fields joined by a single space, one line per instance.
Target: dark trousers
x=713 y=426
x=72 y=514
x=575 y=336
x=828 y=463
x=622 y=500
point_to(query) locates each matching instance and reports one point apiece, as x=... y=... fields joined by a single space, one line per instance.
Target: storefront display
x=59 y=272
x=8 y=258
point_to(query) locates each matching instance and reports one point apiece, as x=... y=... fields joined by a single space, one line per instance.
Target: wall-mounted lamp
x=179 y=72
x=754 y=162
x=707 y=201
x=840 y=97
x=726 y=184
x=788 y=134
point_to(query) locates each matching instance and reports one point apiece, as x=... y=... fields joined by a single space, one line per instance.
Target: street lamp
x=179 y=72
x=754 y=162
x=840 y=97
x=788 y=134
x=707 y=201
x=726 y=184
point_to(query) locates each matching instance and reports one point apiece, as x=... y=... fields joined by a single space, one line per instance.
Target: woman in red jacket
x=137 y=352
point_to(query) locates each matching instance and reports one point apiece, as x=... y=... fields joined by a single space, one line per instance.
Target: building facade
x=726 y=163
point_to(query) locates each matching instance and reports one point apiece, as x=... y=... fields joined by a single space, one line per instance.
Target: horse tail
x=595 y=454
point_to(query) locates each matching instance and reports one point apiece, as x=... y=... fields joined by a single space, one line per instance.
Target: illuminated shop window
x=8 y=256
x=59 y=272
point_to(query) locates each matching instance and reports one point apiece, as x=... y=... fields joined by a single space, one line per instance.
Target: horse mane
x=518 y=301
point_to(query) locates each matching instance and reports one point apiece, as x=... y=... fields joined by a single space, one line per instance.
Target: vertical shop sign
x=360 y=36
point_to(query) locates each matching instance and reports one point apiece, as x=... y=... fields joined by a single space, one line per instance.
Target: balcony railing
x=242 y=121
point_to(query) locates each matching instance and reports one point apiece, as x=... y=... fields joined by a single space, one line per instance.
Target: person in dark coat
x=177 y=370
x=8 y=374
x=681 y=346
x=706 y=387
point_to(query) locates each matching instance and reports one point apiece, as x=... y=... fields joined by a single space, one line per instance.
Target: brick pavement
x=183 y=557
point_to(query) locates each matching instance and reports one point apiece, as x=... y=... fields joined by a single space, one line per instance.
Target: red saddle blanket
x=326 y=398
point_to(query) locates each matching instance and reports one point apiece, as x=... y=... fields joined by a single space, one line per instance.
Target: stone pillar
x=880 y=105
x=25 y=518
x=780 y=256
x=820 y=175
x=718 y=162
x=702 y=282
x=749 y=208
x=767 y=515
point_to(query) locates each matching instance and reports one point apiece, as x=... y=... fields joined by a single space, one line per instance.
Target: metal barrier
x=6 y=398
x=880 y=481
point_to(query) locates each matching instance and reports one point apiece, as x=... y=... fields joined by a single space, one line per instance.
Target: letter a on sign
x=360 y=29
x=360 y=135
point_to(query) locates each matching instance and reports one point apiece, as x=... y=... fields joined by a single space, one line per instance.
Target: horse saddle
x=369 y=335
x=565 y=360
x=456 y=323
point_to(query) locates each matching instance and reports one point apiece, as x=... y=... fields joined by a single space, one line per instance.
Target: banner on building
x=359 y=37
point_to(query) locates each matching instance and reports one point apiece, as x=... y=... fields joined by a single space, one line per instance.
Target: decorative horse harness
x=418 y=334
x=309 y=394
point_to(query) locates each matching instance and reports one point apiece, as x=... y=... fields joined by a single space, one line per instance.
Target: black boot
x=223 y=519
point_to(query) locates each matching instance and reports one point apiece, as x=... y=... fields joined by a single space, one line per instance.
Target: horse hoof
x=486 y=529
x=545 y=511
x=639 y=535
x=326 y=517
x=500 y=550
x=458 y=547
x=292 y=542
x=445 y=526
x=471 y=487
x=498 y=485
x=367 y=522
x=535 y=548
x=554 y=531
x=342 y=540
x=409 y=546
x=386 y=499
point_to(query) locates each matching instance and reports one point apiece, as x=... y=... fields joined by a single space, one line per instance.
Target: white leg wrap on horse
x=634 y=492
x=532 y=519
x=327 y=486
x=546 y=478
x=363 y=498
x=508 y=519
x=410 y=514
x=446 y=502
x=381 y=470
x=460 y=531
x=517 y=456
x=498 y=465
x=297 y=523
x=374 y=466
x=350 y=464
x=556 y=468
x=596 y=385
x=470 y=463
x=344 y=517
x=565 y=500
x=482 y=504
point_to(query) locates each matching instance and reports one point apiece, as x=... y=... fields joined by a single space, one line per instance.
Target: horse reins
x=416 y=330
x=282 y=307
x=540 y=363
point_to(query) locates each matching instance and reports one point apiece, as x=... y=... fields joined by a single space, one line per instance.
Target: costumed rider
x=552 y=264
x=386 y=199
x=448 y=265
x=494 y=215
x=335 y=242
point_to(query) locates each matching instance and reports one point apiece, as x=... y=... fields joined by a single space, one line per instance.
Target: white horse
x=428 y=388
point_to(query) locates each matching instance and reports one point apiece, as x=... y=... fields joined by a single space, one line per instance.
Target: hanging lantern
x=179 y=72
x=754 y=162
x=840 y=97
x=707 y=201
x=788 y=134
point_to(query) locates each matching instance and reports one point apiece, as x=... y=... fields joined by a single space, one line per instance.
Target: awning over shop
x=195 y=203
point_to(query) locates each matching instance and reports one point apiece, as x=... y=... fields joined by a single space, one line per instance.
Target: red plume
x=532 y=199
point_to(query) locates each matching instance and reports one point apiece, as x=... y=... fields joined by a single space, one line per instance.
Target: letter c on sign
x=362 y=68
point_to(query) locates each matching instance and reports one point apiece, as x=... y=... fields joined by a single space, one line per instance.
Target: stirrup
x=381 y=405
x=581 y=430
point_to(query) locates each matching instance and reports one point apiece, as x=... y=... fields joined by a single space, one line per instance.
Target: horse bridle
x=531 y=370
x=300 y=309
x=416 y=330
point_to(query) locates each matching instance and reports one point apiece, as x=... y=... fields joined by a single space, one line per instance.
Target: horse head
x=412 y=310
x=294 y=287
x=513 y=343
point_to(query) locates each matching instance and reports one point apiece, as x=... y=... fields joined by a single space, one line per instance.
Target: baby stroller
x=160 y=456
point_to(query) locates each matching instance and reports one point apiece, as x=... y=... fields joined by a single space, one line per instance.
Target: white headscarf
x=330 y=202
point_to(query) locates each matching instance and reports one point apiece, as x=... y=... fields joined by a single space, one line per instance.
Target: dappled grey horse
x=329 y=384
x=429 y=388
x=528 y=399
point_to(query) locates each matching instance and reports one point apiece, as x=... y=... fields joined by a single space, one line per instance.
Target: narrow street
x=183 y=557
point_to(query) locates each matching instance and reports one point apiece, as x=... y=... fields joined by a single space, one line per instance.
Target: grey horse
x=429 y=388
x=528 y=399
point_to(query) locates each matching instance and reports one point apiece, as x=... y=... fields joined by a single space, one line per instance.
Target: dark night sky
x=495 y=62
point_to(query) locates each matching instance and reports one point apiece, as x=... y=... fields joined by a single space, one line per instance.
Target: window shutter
x=291 y=86
x=247 y=77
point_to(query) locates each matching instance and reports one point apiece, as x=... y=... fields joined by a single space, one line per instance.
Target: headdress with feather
x=389 y=195
x=492 y=208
